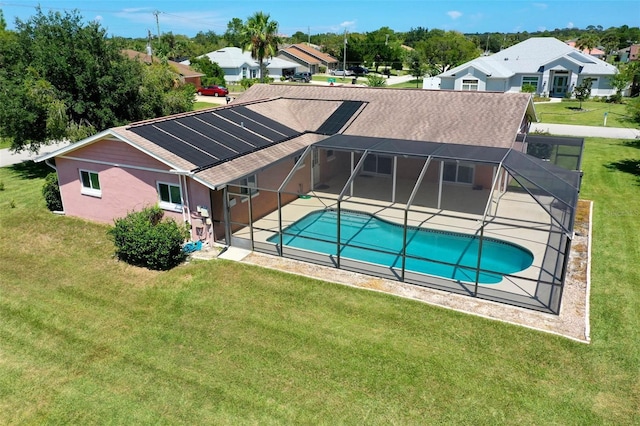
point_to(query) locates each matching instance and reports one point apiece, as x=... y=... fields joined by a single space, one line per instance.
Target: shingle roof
x=315 y=53
x=529 y=55
x=482 y=118
x=292 y=115
x=182 y=69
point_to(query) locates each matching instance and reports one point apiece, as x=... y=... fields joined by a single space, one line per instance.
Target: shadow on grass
x=627 y=166
x=31 y=170
x=632 y=143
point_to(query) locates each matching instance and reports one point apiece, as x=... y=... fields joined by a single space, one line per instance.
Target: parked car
x=358 y=70
x=341 y=72
x=301 y=76
x=213 y=91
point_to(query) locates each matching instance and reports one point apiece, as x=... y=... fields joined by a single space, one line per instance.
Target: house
x=237 y=64
x=552 y=67
x=309 y=58
x=631 y=53
x=187 y=74
x=460 y=165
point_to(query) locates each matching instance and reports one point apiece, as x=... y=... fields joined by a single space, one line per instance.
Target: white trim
x=123 y=166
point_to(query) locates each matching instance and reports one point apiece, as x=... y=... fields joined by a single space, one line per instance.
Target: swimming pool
x=370 y=239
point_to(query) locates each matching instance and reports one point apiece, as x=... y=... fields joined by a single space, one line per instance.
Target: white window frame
x=529 y=81
x=470 y=85
x=171 y=204
x=249 y=186
x=90 y=190
x=459 y=164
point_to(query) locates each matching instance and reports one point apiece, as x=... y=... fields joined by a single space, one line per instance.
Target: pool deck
x=518 y=219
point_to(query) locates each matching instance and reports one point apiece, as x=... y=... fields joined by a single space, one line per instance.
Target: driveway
x=586 y=131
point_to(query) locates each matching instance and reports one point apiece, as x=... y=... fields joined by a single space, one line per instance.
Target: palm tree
x=260 y=37
x=587 y=42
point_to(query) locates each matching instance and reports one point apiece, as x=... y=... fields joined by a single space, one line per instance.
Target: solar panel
x=339 y=118
x=267 y=123
x=211 y=138
x=174 y=145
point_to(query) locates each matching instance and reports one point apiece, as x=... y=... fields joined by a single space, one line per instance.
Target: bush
x=633 y=109
x=51 y=192
x=528 y=88
x=145 y=239
x=374 y=80
x=322 y=69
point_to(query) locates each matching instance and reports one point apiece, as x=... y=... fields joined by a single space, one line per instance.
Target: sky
x=134 y=18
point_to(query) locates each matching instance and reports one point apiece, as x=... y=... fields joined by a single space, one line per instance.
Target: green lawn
x=592 y=113
x=86 y=339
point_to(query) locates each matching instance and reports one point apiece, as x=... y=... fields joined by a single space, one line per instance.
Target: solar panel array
x=339 y=118
x=211 y=138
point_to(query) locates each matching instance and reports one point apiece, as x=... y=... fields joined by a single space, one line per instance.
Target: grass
x=5 y=143
x=592 y=113
x=86 y=339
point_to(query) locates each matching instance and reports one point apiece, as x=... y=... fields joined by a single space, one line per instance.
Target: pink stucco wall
x=128 y=182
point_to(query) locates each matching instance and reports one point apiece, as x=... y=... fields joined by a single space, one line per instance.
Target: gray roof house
x=550 y=65
x=237 y=64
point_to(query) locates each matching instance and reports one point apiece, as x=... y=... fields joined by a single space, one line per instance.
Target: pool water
x=446 y=254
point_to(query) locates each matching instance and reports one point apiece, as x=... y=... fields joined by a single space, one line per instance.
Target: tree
x=587 y=42
x=582 y=91
x=417 y=66
x=233 y=35
x=443 y=50
x=62 y=79
x=260 y=36
x=212 y=71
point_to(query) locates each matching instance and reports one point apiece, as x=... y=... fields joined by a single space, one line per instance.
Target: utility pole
x=344 y=56
x=156 y=13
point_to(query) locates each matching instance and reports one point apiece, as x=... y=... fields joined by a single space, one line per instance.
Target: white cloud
x=541 y=6
x=454 y=14
x=570 y=25
x=541 y=29
x=347 y=24
x=98 y=18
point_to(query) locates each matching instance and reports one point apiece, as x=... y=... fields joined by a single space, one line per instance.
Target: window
x=471 y=85
x=90 y=183
x=377 y=164
x=530 y=81
x=170 y=196
x=331 y=155
x=457 y=172
x=249 y=185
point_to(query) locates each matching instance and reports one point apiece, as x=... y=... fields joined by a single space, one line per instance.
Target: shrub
x=51 y=192
x=322 y=69
x=147 y=239
x=633 y=109
x=528 y=88
x=374 y=80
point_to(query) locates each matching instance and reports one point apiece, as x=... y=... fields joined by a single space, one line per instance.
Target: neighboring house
x=631 y=53
x=187 y=74
x=548 y=64
x=237 y=64
x=309 y=58
x=243 y=172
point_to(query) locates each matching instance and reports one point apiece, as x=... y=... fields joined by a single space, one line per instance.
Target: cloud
x=541 y=6
x=454 y=14
x=98 y=18
x=570 y=25
x=347 y=24
x=542 y=29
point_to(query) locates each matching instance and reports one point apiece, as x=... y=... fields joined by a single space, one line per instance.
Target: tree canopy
x=63 y=79
x=444 y=50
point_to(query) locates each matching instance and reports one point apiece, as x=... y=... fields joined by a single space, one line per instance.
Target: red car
x=213 y=91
